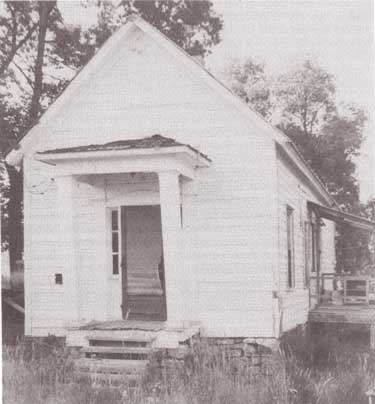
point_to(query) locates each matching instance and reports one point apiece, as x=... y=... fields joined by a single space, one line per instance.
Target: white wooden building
x=154 y=193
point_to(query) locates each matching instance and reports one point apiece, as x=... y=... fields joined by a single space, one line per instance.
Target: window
x=115 y=237
x=308 y=252
x=290 y=245
x=314 y=247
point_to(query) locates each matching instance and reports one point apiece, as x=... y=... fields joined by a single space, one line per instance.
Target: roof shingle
x=155 y=141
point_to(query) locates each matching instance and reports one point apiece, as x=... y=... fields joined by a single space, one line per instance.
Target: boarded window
x=290 y=246
x=115 y=241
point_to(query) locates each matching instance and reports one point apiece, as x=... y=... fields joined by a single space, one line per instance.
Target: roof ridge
x=273 y=132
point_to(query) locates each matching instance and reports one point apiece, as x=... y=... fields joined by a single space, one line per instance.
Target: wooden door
x=143 y=286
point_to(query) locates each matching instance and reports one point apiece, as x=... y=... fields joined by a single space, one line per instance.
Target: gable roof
x=200 y=72
x=155 y=141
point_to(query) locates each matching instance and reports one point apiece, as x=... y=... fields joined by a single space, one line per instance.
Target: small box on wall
x=58 y=279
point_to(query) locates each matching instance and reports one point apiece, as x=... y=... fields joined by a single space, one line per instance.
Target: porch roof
x=150 y=154
x=342 y=217
x=155 y=141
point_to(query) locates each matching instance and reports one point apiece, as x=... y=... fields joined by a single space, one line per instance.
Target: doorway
x=143 y=279
x=312 y=263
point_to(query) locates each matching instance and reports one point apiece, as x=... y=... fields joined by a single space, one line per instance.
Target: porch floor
x=160 y=333
x=353 y=314
x=140 y=325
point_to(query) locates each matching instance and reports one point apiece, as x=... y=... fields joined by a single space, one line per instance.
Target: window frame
x=117 y=231
x=308 y=253
x=290 y=244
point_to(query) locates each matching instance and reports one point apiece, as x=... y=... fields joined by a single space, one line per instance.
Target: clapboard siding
x=43 y=298
x=233 y=226
x=294 y=191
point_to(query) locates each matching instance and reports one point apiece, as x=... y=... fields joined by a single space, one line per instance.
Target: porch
x=345 y=299
x=336 y=311
x=158 y=334
x=341 y=298
x=113 y=351
x=120 y=215
x=349 y=314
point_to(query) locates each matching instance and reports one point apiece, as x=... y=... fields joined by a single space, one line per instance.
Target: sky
x=337 y=34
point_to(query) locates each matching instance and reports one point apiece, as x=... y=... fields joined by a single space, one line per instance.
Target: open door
x=312 y=260
x=143 y=285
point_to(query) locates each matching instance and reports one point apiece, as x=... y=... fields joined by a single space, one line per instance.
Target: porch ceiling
x=151 y=154
x=342 y=217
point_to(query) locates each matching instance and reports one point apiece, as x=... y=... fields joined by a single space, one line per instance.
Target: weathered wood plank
x=125 y=325
x=125 y=366
x=116 y=350
x=343 y=314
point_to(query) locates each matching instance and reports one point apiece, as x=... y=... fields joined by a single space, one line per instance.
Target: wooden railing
x=346 y=289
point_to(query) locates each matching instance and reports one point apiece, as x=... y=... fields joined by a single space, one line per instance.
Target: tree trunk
x=15 y=215
x=15 y=210
x=45 y=8
x=15 y=49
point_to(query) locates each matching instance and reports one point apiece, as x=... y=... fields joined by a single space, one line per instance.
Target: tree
x=44 y=9
x=249 y=81
x=305 y=96
x=330 y=153
x=329 y=136
x=191 y=24
x=40 y=54
x=12 y=123
x=22 y=25
x=17 y=26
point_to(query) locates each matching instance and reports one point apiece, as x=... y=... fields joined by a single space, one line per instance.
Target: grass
x=317 y=368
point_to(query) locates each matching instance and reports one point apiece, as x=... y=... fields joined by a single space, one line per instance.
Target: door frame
x=314 y=269
x=124 y=267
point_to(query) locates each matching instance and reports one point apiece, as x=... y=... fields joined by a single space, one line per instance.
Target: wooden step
x=108 y=336
x=118 y=344
x=107 y=378
x=117 y=350
x=119 y=366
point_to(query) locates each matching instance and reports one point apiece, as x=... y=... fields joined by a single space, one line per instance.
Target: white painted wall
x=294 y=191
x=230 y=231
x=47 y=305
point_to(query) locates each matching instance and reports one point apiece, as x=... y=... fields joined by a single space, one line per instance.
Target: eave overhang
x=177 y=158
x=342 y=217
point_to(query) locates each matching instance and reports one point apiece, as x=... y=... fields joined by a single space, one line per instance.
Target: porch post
x=318 y=255
x=169 y=189
x=66 y=254
x=372 y=336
